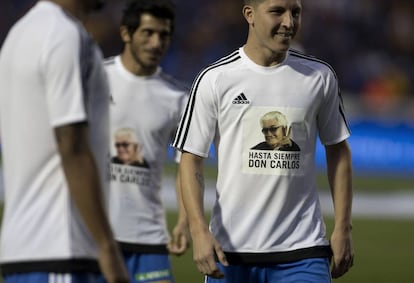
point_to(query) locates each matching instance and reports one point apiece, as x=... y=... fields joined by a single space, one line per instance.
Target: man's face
x=275 y=23
x=150 y=42
x=273 y=132
x=126 y=149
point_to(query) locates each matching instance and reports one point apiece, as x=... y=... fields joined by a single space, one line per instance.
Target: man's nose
x=156 y=40
x=287 y=20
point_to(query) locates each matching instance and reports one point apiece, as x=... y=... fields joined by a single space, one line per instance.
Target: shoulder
x=116 y=160
x=225 y=64
x=292 y=147
x=174 y=84
x=64 y=26
x=310 y=63
x=50 y=22
x=109 y=62
x=262 y=146
x=143 y=164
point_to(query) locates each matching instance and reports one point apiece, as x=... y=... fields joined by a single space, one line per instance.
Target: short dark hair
x=251 y=2
x=131 y=18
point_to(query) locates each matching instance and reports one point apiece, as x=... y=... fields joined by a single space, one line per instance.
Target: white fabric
x=51 y=74
x=266 y=200
x=151 y=107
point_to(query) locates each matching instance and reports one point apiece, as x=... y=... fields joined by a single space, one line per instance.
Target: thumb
x=220 y=255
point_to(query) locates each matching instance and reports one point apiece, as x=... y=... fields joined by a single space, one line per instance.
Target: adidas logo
x=241 y=99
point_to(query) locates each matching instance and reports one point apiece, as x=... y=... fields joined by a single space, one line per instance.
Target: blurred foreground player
x=54 y=131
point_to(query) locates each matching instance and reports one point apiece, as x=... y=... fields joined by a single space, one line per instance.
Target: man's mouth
x=285 y=34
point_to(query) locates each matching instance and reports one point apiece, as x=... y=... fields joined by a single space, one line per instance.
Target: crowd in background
x=369 y=43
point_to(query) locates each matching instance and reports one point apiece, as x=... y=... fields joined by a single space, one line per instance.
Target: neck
x=132 y=65
x=264 y=56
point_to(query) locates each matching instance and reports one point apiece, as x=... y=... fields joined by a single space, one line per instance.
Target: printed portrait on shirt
x=276 y=133
x=128 y=149
x=270 y=141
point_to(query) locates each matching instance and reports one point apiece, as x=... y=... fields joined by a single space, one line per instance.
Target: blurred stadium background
x=370 y=44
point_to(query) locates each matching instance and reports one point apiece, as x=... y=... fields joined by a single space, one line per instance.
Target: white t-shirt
x=266 y=199
x=149 y=108
x=51 y=74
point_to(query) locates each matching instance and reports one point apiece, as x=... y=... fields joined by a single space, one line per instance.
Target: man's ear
x=248 y=13
x=125 y=36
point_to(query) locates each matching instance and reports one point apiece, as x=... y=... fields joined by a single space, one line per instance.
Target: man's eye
x=147 y=32
x=296 y=14
x=277 y=11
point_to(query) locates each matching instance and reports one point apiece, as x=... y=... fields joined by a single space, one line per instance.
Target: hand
x=112 y=265
x=180 y=240
x=343 y=252
x=205 y=249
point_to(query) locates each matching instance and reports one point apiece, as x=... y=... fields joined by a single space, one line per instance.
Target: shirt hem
x=55 y=266
x=278 y=257
x=143 y=248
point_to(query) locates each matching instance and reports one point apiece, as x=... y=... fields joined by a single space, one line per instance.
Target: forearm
x=192 y=186
x=85 y=190
x=182 y=216
x=340 y=180
x=84 y=182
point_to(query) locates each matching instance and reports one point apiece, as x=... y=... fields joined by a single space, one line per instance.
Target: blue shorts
x=312 y=270
x=144 y=268
x=44 y=277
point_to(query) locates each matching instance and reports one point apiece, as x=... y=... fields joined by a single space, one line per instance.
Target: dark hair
x=164 y=9
x=252 y=2
x=248 y=2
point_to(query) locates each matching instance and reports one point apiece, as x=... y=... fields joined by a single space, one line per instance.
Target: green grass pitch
x=384 y=253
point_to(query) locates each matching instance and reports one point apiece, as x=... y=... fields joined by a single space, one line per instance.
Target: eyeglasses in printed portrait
x=128 y=149
x=276 y=132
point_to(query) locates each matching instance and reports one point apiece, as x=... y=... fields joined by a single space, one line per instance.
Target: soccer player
x=266 y=224
x=54 y=129
x=147 y=104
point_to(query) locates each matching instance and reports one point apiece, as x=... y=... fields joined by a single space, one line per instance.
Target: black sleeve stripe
x=296 y=53
x=342 y=110
x=184 y=126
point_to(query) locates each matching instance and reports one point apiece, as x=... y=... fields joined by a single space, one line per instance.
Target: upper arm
x=72 y=139
x=337 y=152
x=337 y=147
x=190 y=160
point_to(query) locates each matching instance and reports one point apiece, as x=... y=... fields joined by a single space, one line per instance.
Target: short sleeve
x=198 y=123
x=63 y=76
x=332 y=124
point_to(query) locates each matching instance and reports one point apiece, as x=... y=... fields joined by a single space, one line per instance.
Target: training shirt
x=267 y=200
x=51 y=75
x=151 y=108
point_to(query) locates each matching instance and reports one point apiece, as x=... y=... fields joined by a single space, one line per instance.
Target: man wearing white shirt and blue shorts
x=266 y=225
x=146 y=106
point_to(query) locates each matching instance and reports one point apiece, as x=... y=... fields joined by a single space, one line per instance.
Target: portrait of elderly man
x=276 y=132
x=128 y=149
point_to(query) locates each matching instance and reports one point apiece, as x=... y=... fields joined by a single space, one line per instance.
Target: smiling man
x=146 y=107
x=266 y=225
